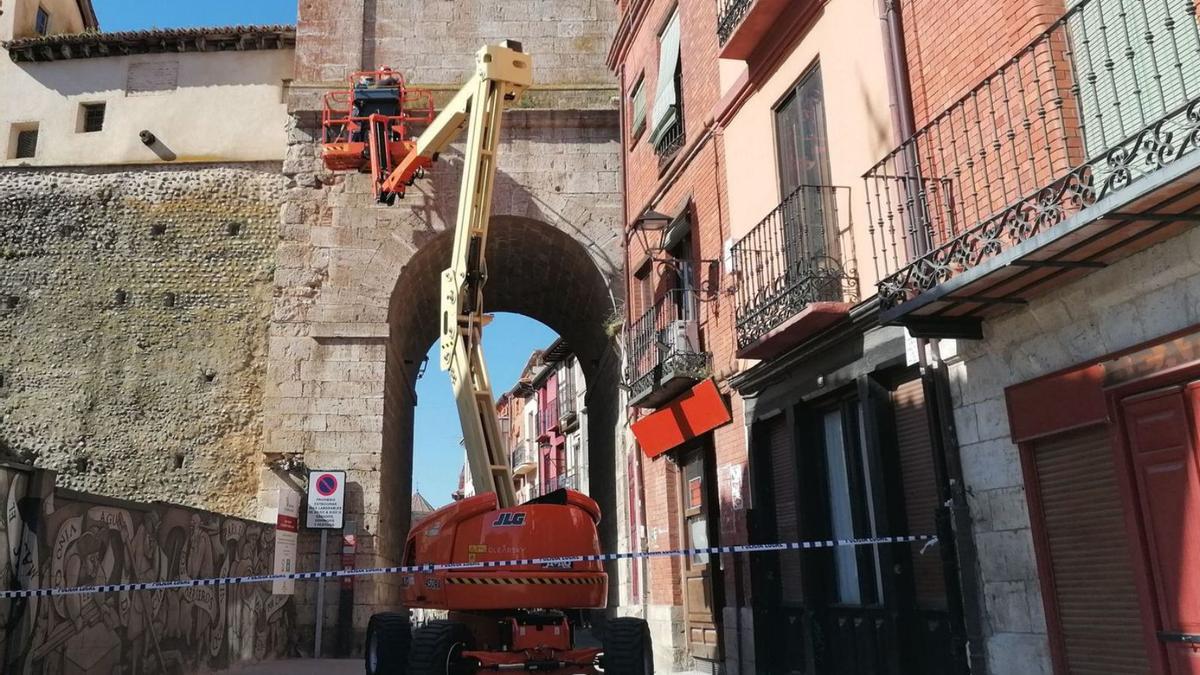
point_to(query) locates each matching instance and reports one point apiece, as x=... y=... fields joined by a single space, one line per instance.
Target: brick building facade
x=679 y=325
x=1055 y=247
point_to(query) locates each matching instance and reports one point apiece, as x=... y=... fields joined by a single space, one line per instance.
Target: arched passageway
x=535 y=270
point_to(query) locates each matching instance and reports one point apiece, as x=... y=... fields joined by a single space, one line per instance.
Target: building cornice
x=164 y=41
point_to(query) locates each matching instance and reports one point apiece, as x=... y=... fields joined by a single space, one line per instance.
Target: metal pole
x=320 y=593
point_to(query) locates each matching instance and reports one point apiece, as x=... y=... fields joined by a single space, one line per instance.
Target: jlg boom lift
x=503 y=619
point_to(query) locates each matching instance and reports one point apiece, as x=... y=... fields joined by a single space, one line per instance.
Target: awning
x=697 y=411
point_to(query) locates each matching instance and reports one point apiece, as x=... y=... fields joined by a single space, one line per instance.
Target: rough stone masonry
x=134 y=307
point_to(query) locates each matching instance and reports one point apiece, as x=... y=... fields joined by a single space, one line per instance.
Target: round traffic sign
x=327 y=484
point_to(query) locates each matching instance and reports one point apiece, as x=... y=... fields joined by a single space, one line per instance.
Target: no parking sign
x=326 y=499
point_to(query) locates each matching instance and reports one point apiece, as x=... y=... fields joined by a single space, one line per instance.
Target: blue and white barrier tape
x=929 y=540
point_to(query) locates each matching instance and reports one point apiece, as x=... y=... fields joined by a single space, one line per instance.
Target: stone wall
x=1149 y=295
x=434 y=43
x=134 y=306
x=56 y=538
x=357 y=305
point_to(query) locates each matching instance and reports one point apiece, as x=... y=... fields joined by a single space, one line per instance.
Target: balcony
x=568 y=415
x=670 y=143
x=665 y=357
x=742 y=24
x=796 y=271
x=547 y=419
x=565 y=480
x=525 y=459
x=1077 y=152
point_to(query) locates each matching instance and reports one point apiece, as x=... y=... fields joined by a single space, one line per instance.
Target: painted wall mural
x=65 y=538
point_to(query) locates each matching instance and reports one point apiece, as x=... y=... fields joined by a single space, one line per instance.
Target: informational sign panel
x=326 y=499
x=287 y=525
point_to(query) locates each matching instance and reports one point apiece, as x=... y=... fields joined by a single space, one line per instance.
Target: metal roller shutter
x=785 y=487
x=920 y=489
x=1089 y=555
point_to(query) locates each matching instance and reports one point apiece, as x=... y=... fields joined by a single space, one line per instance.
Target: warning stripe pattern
x=519 y=581
x=488 y=564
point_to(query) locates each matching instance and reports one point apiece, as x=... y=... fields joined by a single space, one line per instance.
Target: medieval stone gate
x=356 y=283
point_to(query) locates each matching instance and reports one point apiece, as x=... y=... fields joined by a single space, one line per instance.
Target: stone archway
x=355 y=310
x=534 y=270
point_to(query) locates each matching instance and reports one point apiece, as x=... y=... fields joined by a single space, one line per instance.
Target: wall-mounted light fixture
x=651 y=230
x=658 y=233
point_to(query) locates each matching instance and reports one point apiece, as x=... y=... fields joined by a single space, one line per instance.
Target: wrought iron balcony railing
x=670 y=143
x=664 y=347
x=524 y=455
x=547 y=419
x=729 y=14
x=567 y=405
x=564 y=480
x=801 y=253
x=1106 y=95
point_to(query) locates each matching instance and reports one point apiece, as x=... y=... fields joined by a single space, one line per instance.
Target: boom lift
x=501 y=618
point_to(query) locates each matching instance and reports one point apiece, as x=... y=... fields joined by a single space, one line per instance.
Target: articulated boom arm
x=502 y=74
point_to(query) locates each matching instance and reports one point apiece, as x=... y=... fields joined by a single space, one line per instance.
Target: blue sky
x=118 y=15
x=437 y=456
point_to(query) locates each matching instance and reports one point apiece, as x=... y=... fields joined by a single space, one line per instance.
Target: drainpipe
x=640 y=533
x=900 y=101
x=896 y=60
x=953 y=515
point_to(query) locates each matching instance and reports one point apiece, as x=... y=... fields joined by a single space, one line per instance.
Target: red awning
x=697 y=411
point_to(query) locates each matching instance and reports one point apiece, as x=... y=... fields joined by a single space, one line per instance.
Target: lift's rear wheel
x=388 y=638
x=437 y=649
x=627 y=648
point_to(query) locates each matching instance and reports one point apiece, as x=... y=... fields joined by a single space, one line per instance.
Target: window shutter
x=27 y=143
x=666 y=106
x=920 y=490
x=785 y=489
x=639 y=107
x=1114 y=57
x=1089 y=553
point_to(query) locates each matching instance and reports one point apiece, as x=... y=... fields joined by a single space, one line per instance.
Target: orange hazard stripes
x=518 y=581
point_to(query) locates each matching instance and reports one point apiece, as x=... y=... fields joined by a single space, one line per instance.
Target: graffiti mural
x=77 y=540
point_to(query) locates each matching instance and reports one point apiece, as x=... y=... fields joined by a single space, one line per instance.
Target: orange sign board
x=700 y=410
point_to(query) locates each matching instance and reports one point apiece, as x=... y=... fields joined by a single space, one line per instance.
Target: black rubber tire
x=435 y=646
x=627 y=647
x=389 y=635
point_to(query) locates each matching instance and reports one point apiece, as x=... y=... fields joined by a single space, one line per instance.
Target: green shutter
x=1132 y=69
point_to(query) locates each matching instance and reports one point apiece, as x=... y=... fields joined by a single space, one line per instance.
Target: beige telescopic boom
x=502 y=74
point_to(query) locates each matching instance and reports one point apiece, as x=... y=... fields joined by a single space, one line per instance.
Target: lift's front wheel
x=627 y=647
x=437 y=649
x=388 y=637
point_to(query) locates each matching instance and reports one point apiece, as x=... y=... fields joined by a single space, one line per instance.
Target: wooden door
x=1163 y=446
x=699 y=605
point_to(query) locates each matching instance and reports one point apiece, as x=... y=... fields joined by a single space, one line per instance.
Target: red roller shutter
x=920 y=489
x=1092 y=575
x=785 y=489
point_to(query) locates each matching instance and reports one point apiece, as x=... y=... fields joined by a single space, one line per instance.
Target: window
x=637 y=105
x=25 y=144
x=667 y=117
x=804 y=161
x=643 y=291
x=42 y=25
x=91 y=117
x=850 y=505
x=682 y=274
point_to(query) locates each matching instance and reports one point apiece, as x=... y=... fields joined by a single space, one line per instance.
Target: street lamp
x=652 y=221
